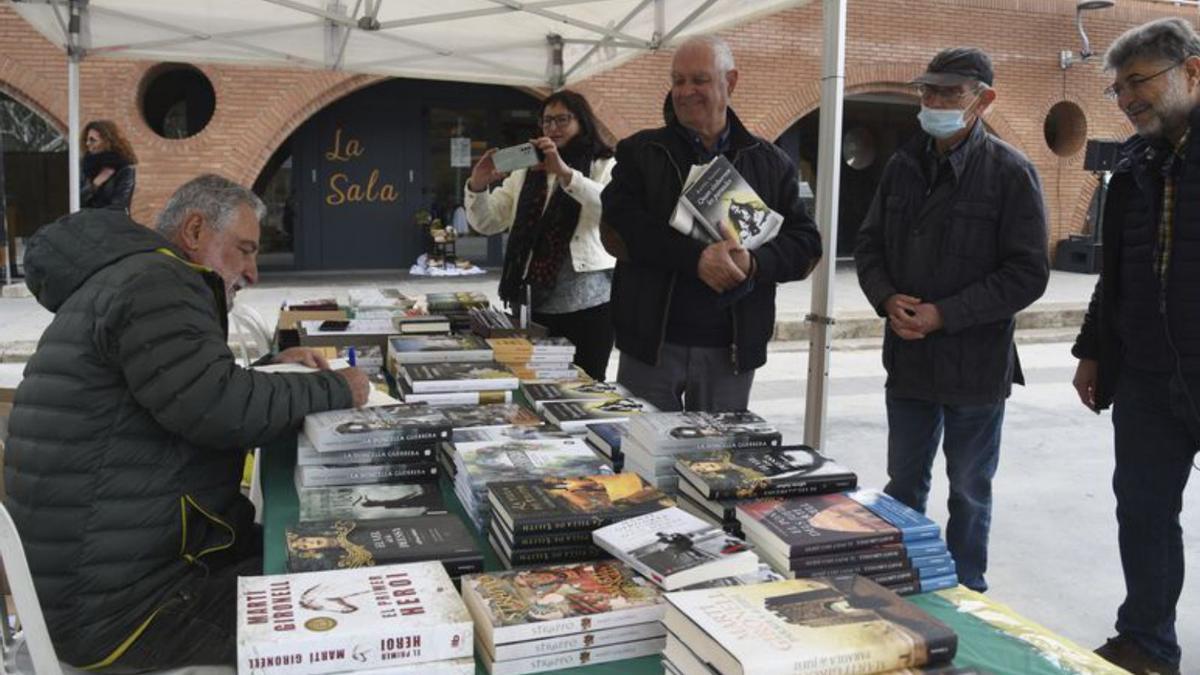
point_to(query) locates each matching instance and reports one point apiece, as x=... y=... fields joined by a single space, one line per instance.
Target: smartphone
x=516 y=157
x=333 y=325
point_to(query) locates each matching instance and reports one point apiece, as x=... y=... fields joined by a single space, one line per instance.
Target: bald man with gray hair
x=692 y=319
x=1139 y=347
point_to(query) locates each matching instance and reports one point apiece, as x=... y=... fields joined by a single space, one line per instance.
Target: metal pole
x=4 y=257
x=73 y=56
x=829 y=167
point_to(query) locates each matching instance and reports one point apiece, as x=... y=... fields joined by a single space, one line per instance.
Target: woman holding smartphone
x=553 y=212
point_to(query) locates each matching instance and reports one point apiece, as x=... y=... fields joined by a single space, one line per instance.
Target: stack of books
x=532 y=359
x=675 y=549
x=339 y=544
x=380 y=618
x=848 y=625
x=654 y=441
x=547 y=618
x=456 y=306
x=479 y=464
x=433 y=350
x=456 y=383
x=860 y=532
x=605 y=437
x=378 y=303
x=712 y=483
x=382 y=444
x=574 y=405
x=550 y=520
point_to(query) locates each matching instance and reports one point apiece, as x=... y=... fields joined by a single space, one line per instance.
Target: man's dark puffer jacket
x=128 y=432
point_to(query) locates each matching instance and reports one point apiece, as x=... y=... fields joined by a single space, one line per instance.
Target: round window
x=177 y=100
x=1065 y=129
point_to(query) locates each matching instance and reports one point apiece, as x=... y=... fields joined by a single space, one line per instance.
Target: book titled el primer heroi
x=353 y=619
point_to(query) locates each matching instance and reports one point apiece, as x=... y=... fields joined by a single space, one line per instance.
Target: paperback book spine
x=575 y=659
x=577 y=641
x=556 y=555
x=331 y=653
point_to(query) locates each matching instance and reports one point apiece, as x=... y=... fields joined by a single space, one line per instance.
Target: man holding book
x=953 y=246
x=128 y=433
x=693 y=316
x=1139 y=347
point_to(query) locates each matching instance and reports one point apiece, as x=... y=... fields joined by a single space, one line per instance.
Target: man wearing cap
x=954 y=245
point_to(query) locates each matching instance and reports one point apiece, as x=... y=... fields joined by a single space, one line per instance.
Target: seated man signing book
x=692 y=316
x=128 y=432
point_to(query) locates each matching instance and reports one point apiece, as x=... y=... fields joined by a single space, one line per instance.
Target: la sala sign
x=342 y=189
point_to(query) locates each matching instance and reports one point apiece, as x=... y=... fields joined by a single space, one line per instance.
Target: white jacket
x=493 y=212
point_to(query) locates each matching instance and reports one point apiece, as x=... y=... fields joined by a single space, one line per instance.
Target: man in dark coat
x=128 y=432
x=692 y=320
x=953 y=246
x=1139 y=347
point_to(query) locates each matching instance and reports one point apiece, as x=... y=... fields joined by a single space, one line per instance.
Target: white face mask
x=941 y=123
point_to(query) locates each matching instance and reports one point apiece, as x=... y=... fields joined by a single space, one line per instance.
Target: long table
x=991 y=636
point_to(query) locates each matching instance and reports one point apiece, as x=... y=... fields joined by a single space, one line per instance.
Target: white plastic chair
x=248 y=329
x=29 y=650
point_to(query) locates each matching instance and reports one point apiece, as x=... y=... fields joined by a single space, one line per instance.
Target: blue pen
x=350 y=357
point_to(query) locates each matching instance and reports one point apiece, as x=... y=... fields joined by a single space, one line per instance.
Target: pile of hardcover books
x=378 y=303
x=562 y=616
x=478 y=464
x=537 y=358
x=550 y=520
x=860 y=532
x=675 y=549
x=711 y=483
x=605 y=437
x=380 y=619
x=654 y=441
x=382 y=444
x=447 y=370
x=574 y=405
x=847 y=624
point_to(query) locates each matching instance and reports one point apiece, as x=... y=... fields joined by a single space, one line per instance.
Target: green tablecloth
x=991 y=636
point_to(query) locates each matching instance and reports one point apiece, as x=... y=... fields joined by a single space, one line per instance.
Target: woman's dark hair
x=589 y=132
x=111 y=134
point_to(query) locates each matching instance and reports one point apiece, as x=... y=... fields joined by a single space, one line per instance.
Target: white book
x=441 y=377
x=574 y=659
x=674 y=549
x=377 y=427
x=375 y=397
x=578 y=641
x=352 y=619
x=436 y=349
x=352 y=327
x=663 y=432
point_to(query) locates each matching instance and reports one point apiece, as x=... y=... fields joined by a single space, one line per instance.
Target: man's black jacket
x=975 y=246
x=638 y=203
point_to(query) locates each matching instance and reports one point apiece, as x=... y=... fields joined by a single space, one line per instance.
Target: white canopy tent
x=538 y=43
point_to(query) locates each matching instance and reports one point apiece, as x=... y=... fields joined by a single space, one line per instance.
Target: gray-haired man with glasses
x=1139 y=348
x=954 y=245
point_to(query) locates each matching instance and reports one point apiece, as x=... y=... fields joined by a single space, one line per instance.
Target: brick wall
x=779 y=58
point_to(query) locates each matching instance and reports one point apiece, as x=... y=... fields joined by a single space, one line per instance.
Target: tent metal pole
x=74 y=54
x=829 y=149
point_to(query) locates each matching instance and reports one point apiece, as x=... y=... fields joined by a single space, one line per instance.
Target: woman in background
x=553 y=212
x=108 y=168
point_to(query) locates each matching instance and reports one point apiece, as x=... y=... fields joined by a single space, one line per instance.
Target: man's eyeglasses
x=947 y=94
x=1113 y=91
x=559 y=121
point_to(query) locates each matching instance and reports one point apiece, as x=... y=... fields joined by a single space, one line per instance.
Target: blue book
x=929 y=584
x=606 y=437
x=936 y=570
x=913 y=526
x=924 y=548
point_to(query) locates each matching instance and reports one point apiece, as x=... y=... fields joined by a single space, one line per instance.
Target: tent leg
x=73 y=130
x=833 y=76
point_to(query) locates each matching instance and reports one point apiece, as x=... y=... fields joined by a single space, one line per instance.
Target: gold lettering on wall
x=343 y=189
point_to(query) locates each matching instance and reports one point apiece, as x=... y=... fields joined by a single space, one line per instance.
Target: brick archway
x=890 y=78
x=19 y=83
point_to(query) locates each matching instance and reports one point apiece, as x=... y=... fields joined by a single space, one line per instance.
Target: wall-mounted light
x=1066 y=58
